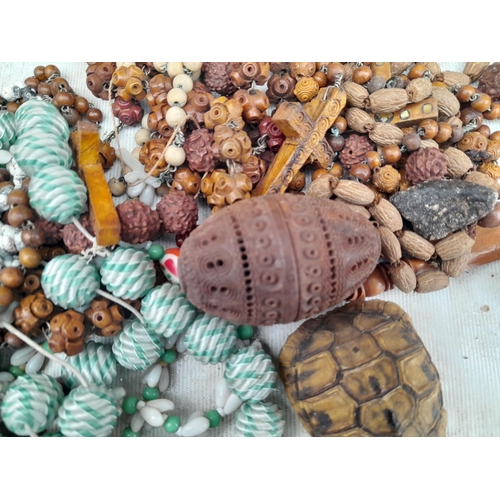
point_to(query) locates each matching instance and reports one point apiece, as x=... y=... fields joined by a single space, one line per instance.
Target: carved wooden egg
x=277 y=259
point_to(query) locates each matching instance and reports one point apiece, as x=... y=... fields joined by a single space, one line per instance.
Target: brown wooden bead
x=11 y=277
x=494 y=111
x=6 y=296
x=81 y=104
x=51 y=70
x=30 y=257
x=377 y=282
x=31 y=283
x=33 y=237
x=63 y=99
x=411 y=141
x=18 y=197
x=386 y=179
x=94 y=115
x=39 y=73
x=417 y=71
x=318 y=173
x=186 y=180
x=373 y=159
x=336 y=142
x=362 y=75
x=465 y=93
x=337 y=170
x=333 y=70
x=483 y=129
x=59 y=85
x=444 y=132
x=429 y=128
x=18 y=215
x=13 y=341
x=71 y=115
x=341 y=124
x=391 y=153
x=361 y=171
x=32 y=82
x=12 y=107
x=298 y=182
x=44 y=89
x=320 y=78
x=480 y=102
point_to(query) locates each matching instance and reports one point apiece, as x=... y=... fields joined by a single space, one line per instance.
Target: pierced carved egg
x=277 y=259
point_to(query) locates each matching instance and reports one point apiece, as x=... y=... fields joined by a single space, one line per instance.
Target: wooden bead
x=386 y=179
x=30 y=257
x=391 y=153
x=32 y=82
x=373 y=159
x=31 y=283
x=334 y=70
x=429 y=128
x=81 y=104
x=18 y=215
x=6 y=296
x=63 y=99
x=44 y=89
x=341 y=124
x=39 y=73
x=11 y=277
x=193 y=66
x=142 y=136
x=12 y=107
x=361 y=171
x=483 y=129
x=18 y=197
x=320 y=78
x=417 y=71
x=318 y=173
x=174 y=69
x=175 y=156
x=494 y=112
x=465 y=93
x=411 y=141
x=186 y=180
x=495 y=136
x=337 y=170
x=444 y=132
x=33 y=237
x=175 y=116
x=71 y=115
x=481 y=102
x=183 y=82
x=51 y=70
x=362 y=75
x=94 y=115
x=176 y=97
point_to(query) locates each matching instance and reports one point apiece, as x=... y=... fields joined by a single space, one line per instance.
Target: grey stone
x=437 y=208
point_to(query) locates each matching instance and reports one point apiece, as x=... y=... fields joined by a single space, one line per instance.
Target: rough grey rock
x=437 y=208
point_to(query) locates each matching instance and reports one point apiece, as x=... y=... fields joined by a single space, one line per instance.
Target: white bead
x=196 y=414
x=142 y=136
x=194 y=427
x=175 y=116
x=164 y=381
x=154 y=376
x=119 y=393
x=136 y=152
x=134 y=191
x=238 y=344
x=22 y=356
x=233 y=402
x=196 y=75
x=152 y=416
x=6 y=377
x=180 y=345
x=174 y=69
x=176 y=97
x=184 y=82
x=140 y=404
x=144 y=121
x=144 y=379
x=5 y=157
x=175 y=156
x=193 y=66
x=162 y=405
x=34 y=365
x=148 y=195
x=222 y=392
x=161 y=67
x=170 y=342
x=137 y=422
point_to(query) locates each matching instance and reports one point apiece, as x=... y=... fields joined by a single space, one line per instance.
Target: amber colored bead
x=39 y=73
x=6 y=296
x=63 y=99
x=18 y=215
x=444 y=132
x=362 y=75
x=320 y=78
x=186 y=180
x=418 y=265
x=341 y=124
x=32 y=82
x=361 y=171
x=429 y=128
x=51 y=70
x=332 y=70
x=31 y=283
x=18 y=197
x=494 y=112
x=337 y=170
x=11 y=277
x=81 y=104
x=480 y=102
x=373 y=159
x=440 y=84
x=12 y=107
x=465 y=93
x=94 y=115
x=417 y=71
x=318 y=173
x=44 y=89
x=30 y=257
x=298 y=182
x=483 y=129
x=377 y=282
x=495 y=136
x=391 y=153
x=101 y=318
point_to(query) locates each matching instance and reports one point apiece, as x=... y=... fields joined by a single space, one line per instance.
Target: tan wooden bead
x=177 y=97
x=175 y=116
x=174 y=69
x=184 y=82
x=175 y=156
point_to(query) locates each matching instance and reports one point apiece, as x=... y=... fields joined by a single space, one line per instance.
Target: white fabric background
x=462 y=337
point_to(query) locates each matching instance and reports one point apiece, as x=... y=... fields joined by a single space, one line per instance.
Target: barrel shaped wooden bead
x=277 y=259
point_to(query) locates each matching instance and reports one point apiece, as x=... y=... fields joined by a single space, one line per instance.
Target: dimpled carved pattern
x=277 y=259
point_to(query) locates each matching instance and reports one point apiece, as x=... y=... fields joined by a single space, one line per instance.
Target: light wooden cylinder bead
x=175 y=116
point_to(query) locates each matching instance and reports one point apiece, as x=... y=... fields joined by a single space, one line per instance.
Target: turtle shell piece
x=362 y=370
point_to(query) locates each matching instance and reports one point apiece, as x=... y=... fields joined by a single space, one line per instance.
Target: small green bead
x=129 y=405
x=244 y=332
x=214 y=418
x=16 y=371
x=156 y=251
x=45 y=345
x=149 y=393
x=172 y=423
x=129 y=433
x=169 y=356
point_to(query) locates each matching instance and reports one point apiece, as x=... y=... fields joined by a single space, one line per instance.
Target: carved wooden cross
x=103 y=215
x=304 y=128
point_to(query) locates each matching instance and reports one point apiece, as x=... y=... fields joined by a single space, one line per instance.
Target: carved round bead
x=296 y=256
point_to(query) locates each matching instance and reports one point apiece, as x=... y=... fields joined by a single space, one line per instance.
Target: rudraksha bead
x=198 y=149
x=75 y=241
x=178 y=212
x=426 y=164
x=354 y=151
x=139 y=223
x=490 y=81
x=53 y=230
x=217 y=78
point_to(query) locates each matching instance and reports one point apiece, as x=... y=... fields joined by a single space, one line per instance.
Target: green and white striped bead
x=210 y=339
x=36 y=113
x=128 y=273
x=250 y=373
x=57 y=194
x=262 y=419
x=8 y=133
x=136 y=347
x=30 y=404
x=96 y=363
x=167 y=311
x=70 y=282
x=88 y=412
